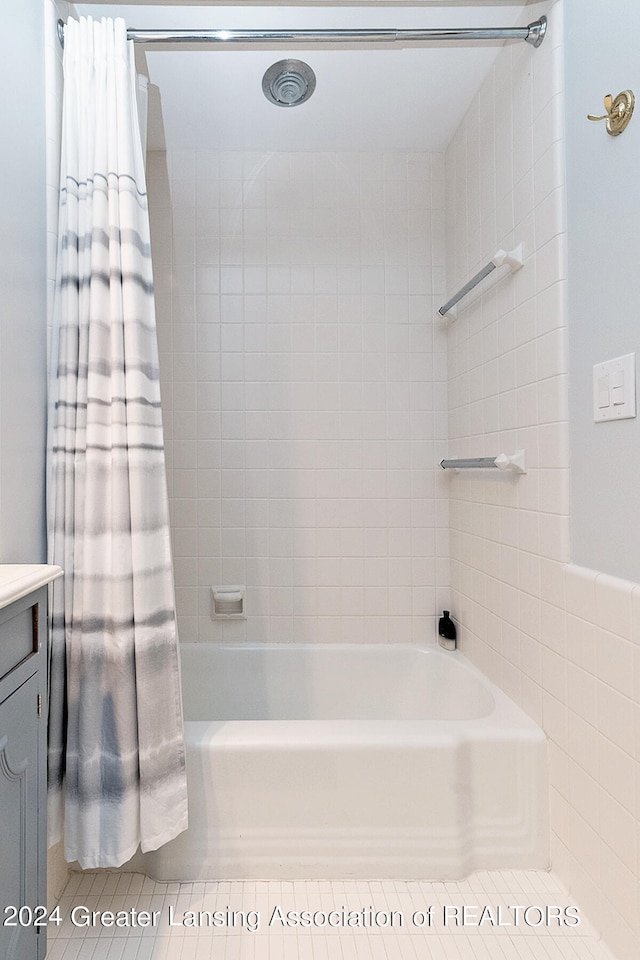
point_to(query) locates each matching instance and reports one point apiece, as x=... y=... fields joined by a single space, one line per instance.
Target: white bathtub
x=365 y=761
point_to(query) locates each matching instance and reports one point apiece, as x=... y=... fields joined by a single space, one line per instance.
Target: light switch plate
x=614 y=389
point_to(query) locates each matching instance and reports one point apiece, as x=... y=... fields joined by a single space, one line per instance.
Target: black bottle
x=447 y=631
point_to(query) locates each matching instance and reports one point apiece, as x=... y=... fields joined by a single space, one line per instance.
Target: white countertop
x=19 y=579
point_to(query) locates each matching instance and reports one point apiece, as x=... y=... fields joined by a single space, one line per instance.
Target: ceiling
x=409 y=98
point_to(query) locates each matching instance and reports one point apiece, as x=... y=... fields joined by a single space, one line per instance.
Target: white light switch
x=617 y=387
x=604 y=400
x=614 y=389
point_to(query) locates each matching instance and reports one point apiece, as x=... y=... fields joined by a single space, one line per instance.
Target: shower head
x=288 y=83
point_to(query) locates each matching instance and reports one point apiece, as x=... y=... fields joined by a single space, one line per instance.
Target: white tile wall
x=564 y=642
x=596 y=788
x=507 y=371
x=304 y=390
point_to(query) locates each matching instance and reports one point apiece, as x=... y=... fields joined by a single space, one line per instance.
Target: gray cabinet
x=23 y=719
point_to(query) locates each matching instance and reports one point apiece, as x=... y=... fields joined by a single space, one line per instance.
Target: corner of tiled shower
x=342 y=525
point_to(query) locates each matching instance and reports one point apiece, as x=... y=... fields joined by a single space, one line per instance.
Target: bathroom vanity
x=23 y=757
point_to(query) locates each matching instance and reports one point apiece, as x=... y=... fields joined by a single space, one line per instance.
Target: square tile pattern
x=303 y=389
x=254 y=930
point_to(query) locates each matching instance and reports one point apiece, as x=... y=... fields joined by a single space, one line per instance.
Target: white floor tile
x=234 y=941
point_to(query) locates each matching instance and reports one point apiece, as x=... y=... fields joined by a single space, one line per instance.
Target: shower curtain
x=116 y=754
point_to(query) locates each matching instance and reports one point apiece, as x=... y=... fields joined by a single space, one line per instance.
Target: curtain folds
x=116 y=755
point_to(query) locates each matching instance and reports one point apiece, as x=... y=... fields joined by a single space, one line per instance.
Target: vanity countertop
x=19 y=579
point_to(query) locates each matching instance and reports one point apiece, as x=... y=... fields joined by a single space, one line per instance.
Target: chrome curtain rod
x=533 y=33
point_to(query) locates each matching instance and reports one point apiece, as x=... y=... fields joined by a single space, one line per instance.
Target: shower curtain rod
x=533 y=33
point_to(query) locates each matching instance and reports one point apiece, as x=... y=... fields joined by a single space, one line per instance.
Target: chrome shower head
x=288 y=83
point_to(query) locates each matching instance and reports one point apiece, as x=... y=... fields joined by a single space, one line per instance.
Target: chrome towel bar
x=514 y=463
x=513 y=260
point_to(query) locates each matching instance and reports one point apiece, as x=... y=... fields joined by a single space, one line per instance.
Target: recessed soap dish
x=228 y=602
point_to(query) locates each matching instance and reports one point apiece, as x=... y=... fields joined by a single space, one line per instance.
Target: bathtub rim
x=496 y=725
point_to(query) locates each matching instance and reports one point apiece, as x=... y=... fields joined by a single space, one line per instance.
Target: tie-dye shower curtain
x=116 y=755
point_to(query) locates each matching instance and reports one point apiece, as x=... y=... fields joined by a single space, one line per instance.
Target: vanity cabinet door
x=19 y=820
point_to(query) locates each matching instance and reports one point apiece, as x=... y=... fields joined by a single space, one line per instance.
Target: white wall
x=604 y=298
x=562 y=640
x=304 y=389
x=22 y=288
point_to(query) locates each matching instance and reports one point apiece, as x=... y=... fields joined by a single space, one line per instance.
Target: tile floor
x=249 y=929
